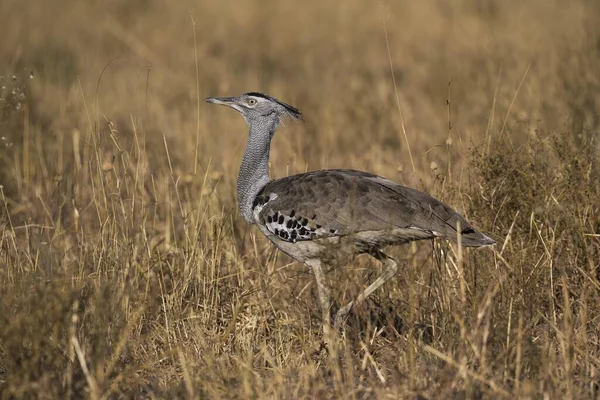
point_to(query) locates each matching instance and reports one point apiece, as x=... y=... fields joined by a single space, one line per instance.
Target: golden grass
x=125 y=270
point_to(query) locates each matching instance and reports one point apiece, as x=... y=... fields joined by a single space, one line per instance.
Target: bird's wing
x=315 y=204
x=417 y=209
x=341 y=202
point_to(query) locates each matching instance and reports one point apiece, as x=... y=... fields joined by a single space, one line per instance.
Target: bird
x=327 y=216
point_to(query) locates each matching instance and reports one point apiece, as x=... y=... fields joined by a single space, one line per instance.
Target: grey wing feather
x=340 y=202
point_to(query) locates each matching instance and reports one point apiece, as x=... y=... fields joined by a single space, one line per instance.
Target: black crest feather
x=292 y=111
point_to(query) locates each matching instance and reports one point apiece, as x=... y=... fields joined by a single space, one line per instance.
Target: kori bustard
x=322 y=216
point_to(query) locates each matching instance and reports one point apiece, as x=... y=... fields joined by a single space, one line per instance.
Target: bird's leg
x=390 y=269
x=324 y=294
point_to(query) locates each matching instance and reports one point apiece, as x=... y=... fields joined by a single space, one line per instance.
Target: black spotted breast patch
x=292 y=227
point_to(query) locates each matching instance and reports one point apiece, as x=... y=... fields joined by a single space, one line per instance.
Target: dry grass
x=125 y=270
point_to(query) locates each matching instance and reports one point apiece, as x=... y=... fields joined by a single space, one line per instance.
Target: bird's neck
x=254 y=171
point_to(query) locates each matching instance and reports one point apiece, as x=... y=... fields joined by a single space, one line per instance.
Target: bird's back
x=328 y=203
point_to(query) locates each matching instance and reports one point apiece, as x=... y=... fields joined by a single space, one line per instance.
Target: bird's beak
x=226 y=101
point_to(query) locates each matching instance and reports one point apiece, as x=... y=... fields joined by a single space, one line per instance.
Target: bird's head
x=258 y=106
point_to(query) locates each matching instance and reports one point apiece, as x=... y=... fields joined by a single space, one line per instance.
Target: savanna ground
x=126 y=271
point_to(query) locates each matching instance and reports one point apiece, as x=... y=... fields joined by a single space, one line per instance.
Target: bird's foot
x=342 y=316
x=322 y=353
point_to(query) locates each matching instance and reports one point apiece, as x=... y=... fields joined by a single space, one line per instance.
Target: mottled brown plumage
x=348 y=201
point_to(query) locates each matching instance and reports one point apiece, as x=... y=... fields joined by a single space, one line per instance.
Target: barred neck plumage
x=254 y=171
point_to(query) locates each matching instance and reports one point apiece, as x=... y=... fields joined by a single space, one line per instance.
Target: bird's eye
x=252 y=102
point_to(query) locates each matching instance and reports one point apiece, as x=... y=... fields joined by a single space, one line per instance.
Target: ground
x=126 y=271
